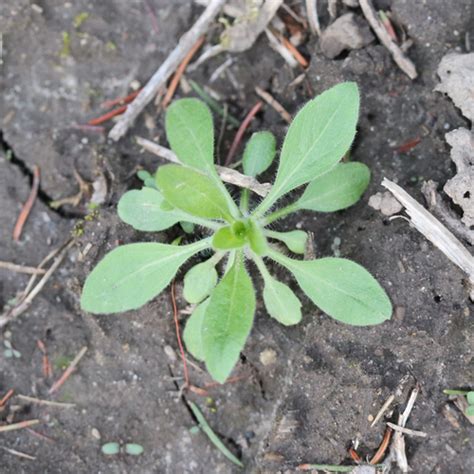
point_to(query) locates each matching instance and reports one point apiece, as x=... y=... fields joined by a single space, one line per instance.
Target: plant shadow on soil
x=327 y=378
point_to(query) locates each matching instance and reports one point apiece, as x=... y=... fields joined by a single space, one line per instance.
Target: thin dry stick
x=13 y=267
x=241 y=131
x=407 y=431
x=226 y=174
x=434 y=230
x=178 y=336
x=164 y=72
x=25 y=212
x=29 y=297
x=293 y=50
x=405 y=64
x=378 y=456
x=67 y=373
x=272 y=102
x=18 y=453
x=280 y=49
x=179 y=72
x=18 y=426
x=313 y=19
x=7 y=397
x=49 y=403
x=384 y=408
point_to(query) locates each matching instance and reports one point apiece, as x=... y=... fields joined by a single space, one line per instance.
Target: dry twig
x=67 y=373
x=227 y=174
x=434 y=231
x=18 y=426
x=25 y=212
x=187 y=41
x=18 y=453
x=30 y=293
x=21 y=268
x=313 y=19
x=49 y=403
x=407 y=431
x=240 y=132
x=405 y=64
x=180 y=71
x=272 y=102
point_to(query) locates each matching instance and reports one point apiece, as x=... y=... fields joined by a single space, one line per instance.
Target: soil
x=326 y=378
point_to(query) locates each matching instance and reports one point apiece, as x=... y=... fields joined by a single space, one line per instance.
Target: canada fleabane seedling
x=192 y=192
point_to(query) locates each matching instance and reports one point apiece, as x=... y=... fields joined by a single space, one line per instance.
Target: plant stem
x=262 y=268
x=244 y=201
x=449 y=391
x=284 y=211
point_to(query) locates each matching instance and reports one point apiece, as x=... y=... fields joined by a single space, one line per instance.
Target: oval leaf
x=192 y=192
x=317 y=139
x=281 y=302
x=295 y=240
x=143 y=210
x=227 y=321
x=192 y=332
x=110 y=448
x=190 y=132
x=199 y=282
x=343 y=289
x=133 y=274
x=134 y=449
x=337 y=189
x=259 y=153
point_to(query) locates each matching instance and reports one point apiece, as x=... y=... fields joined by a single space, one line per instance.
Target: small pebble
x=370 y=418
x=95 y=433
x=268 y=357
x=135 y=85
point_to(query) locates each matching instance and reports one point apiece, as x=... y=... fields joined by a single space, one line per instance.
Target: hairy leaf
x=337 y=189
x=341 y=288
x=295 y=240
x=257 y=241
x=130 y=275
x=199 y=282
x=192 y=192
x=192 y=334
x=319 y=136
x=143 y=210
x=228 y=321
x=281 y=302
x=259 y=153
x=190 y=132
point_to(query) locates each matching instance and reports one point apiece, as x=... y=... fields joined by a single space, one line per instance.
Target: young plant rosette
x=192 y=192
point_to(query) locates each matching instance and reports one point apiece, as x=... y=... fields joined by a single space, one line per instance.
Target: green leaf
x=226 y=238
x=337 y=189
x=341 y=288
x=470 y=398
x=192 y=192
x=188 y=227
x=190 y=132
x=204 y=425
x=192 y=334
x=130 y=275
x=470 y=410
x=199 y=281
x=134 y=449
x=143 y=210
x=317 y=139
x=295 y=240
x=281 y=302
x=110 y=448
x=259 y=153
x=228 y=321
x=257 y=241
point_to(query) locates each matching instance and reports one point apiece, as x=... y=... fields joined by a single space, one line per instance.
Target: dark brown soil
x=327 y=377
